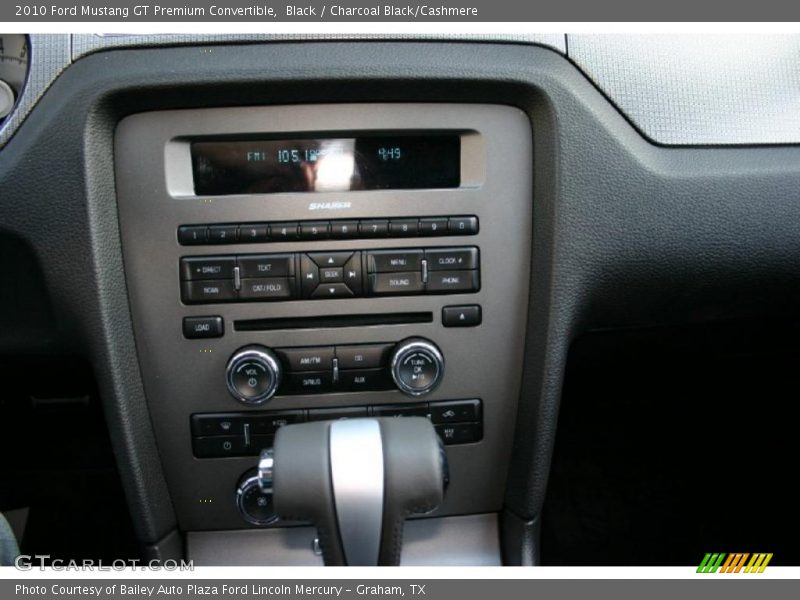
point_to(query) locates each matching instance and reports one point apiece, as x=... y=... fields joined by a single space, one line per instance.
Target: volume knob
x=417 y=366
x=253 y=375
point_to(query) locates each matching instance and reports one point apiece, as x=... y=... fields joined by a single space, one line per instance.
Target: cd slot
x=333 y=322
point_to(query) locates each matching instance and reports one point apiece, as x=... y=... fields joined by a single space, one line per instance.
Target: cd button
x=364 y=356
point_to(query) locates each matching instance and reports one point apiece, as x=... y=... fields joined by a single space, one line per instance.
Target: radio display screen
x=387 y=162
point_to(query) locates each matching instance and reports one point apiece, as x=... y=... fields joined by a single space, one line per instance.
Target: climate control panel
x=217 y=435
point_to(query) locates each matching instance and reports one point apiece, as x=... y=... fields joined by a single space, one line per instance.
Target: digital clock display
x=389 y=162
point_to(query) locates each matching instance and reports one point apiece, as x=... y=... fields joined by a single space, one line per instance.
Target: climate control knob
x=417 y=366
x=254 y=374
x=254 y=495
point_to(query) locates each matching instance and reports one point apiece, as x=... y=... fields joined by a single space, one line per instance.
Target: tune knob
x=417 y=366
x=254 y=374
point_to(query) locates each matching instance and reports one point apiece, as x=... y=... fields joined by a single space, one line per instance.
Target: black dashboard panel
x=625 y=233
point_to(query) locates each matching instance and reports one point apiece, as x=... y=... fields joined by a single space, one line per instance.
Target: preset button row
x=287 y=231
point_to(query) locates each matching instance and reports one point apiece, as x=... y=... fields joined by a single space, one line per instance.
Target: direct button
x=451 y=259
x=461 y=316
x=207 y=267
x=393 y=261
x=307 y=359
x=195 y=328
x=267 y=265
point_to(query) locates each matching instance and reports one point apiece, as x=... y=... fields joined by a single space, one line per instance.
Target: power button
x=253 y=375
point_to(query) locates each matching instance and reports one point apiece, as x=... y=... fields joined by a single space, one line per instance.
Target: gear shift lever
x=356 y=480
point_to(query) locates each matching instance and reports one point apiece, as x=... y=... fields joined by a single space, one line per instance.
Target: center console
x=303 y=263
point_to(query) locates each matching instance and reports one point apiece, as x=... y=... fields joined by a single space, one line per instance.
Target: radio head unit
x=287 y=264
